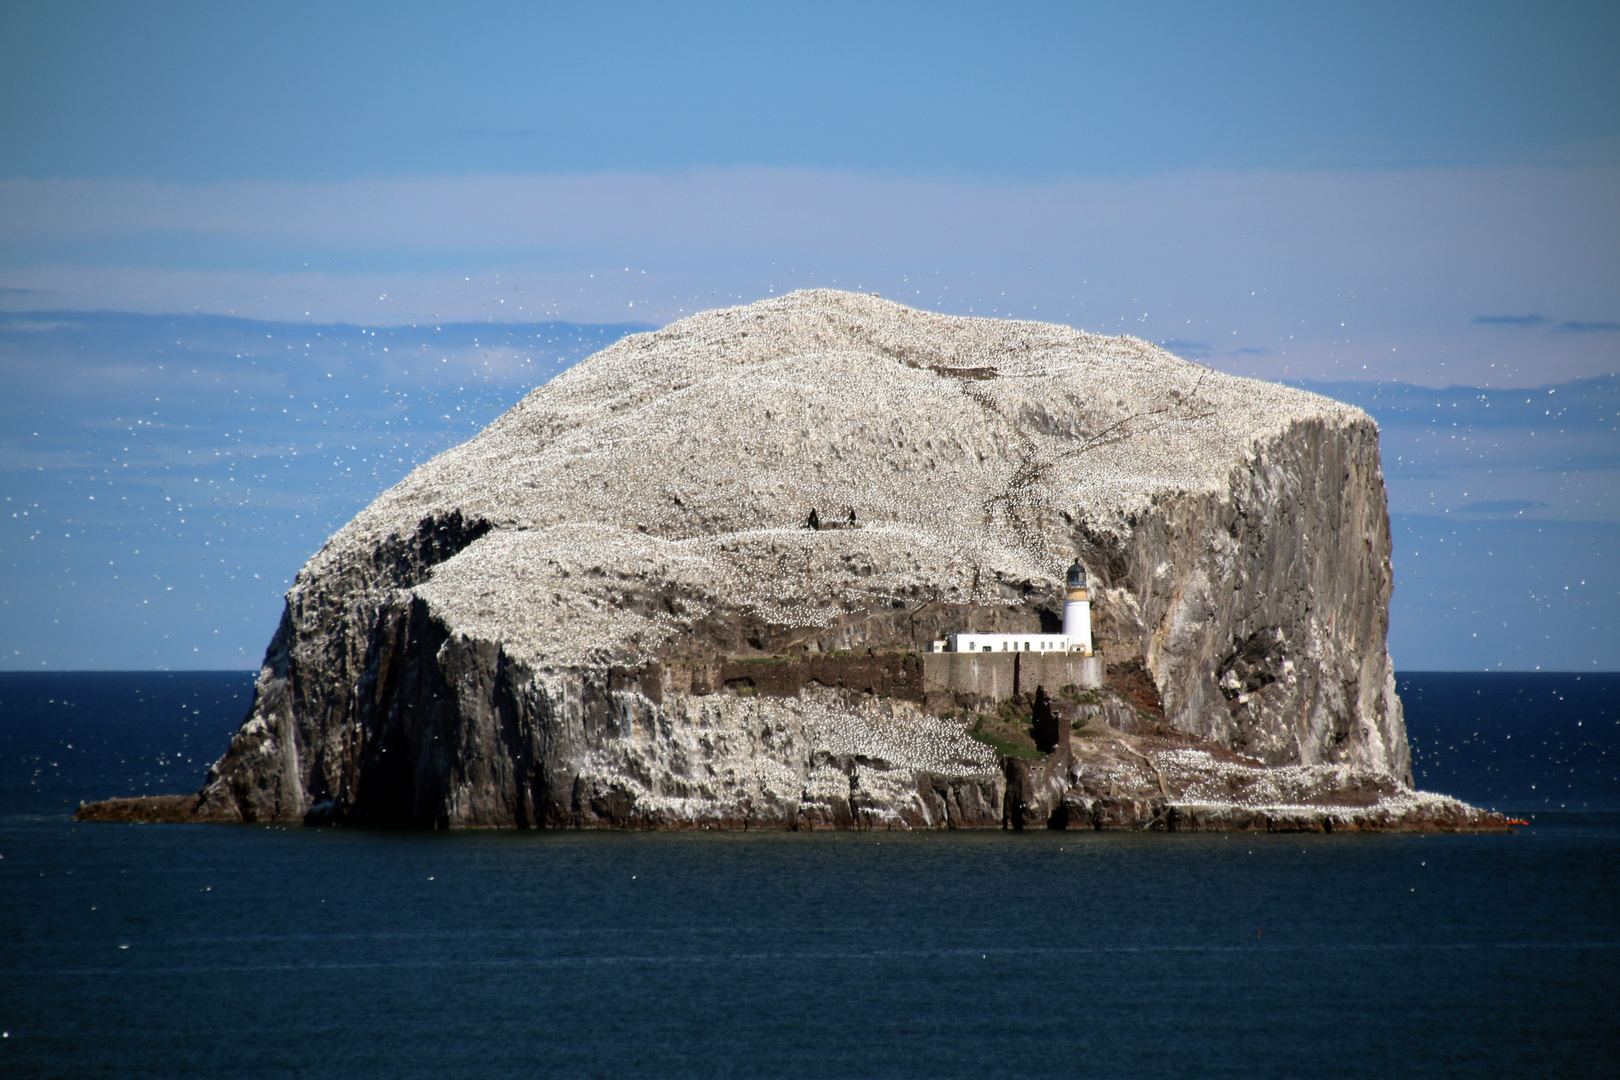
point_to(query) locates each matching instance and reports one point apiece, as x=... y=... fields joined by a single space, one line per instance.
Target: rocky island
x=695 y=581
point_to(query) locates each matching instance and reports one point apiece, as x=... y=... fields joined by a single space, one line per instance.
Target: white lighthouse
x=1076 y=636
x=1077 y=611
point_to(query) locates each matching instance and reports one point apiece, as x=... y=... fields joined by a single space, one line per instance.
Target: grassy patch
x=1002 y=747
x=1007 y=731
x=1014 y=715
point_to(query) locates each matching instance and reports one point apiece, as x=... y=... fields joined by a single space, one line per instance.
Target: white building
x=1076 y=636
x=1005 y=643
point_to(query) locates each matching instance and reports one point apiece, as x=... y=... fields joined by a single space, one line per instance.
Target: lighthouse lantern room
x=1077 y=610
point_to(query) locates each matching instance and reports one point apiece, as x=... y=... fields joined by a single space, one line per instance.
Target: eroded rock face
x=1262 y=611
x=509 y=636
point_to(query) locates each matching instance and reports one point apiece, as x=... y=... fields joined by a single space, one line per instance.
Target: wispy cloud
x=34 y=326
x=1512 y=320
x=1363 y=275
x=1568 y=326
x=1502 y=506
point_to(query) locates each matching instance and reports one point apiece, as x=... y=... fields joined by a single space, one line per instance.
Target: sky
x=213 y=213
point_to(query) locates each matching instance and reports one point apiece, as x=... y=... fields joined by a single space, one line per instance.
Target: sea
x=282 y=951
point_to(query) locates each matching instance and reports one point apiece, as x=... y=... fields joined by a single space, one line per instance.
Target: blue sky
x=206 y=92
x=1389 y=199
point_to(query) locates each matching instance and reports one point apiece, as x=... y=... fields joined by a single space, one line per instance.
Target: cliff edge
x=536 y=627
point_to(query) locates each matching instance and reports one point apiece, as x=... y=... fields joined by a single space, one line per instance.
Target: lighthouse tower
x=1077 y=611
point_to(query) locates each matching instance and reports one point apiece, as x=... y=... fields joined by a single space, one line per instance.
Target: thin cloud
x=1512 y=320
x=1571 y=327
x=1303 y=259
x=1502 y=506
x=35 y=326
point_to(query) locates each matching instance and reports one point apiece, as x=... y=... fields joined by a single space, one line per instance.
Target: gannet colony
x=698 y=581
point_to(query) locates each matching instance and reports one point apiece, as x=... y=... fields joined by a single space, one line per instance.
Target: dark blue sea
x=226 y=951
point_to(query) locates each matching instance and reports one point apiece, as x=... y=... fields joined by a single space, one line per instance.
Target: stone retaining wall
x=950 y=680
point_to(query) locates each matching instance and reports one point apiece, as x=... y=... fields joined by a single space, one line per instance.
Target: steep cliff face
x=517 y=634
x=1262 y=610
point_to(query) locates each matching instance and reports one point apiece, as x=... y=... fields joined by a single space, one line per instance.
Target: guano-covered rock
x=553 y=624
